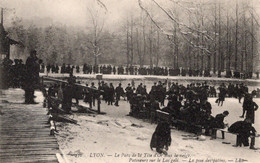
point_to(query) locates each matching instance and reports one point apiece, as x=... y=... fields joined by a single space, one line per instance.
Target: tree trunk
x=158 y=49
x=252 y=41
x=127 y=44
x=144 y=40
x=215 y=45
x=228 y=48
x=132 y=44
x=151 y=45
x=138 y=48
x=219 y=42
x=236 y=39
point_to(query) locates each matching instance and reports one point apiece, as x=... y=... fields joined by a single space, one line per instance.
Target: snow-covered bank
x=117 y=138
x=153 y=77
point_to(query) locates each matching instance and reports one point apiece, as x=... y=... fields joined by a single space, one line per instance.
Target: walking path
x=24 y=130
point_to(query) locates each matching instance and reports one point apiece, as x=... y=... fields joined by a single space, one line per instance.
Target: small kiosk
x=5 y=41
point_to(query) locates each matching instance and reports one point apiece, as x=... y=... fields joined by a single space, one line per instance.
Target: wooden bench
x=44 y=78
x=238 y=143
x=190 y=127
x=179 y=124
x=54 y=105
x=163 y=116
x=54 y=101
x=223 y=131
x=143 y=113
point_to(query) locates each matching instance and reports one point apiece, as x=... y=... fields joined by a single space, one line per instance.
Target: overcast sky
x=69 y=12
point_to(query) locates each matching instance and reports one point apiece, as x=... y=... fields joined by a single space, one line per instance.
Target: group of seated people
x=190 y=105
x=187 y=104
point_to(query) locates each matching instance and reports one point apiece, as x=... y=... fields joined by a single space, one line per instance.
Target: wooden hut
x=5 y=41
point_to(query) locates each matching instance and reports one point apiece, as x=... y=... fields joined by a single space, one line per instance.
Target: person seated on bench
x=189 y=117
x=51 y=91
x=169 y=104
x=244 y=129
x=137 y=104
x=60 y=92
x=185 y=113
x=193 y=110
x=218 y=123
x=205 y=119
x=205 y=106
x=174 y=107
x=154 y=106
x=205 y=115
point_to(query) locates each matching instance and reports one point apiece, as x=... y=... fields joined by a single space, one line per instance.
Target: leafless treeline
x=201 y=34
x=198 y=34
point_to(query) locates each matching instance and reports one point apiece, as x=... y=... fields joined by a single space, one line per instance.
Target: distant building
x=5 y=41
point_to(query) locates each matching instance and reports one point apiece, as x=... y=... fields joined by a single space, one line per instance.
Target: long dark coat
x=161 y=137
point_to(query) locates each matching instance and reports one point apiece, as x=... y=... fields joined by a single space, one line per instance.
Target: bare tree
x=131 y=40
x=127 y=44
x=157 y=49
x=97 y=20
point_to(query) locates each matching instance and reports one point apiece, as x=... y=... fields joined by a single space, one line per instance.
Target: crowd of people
x=21 y=75
x=12 y=74
x=187 y=103
x=190 y=104
x=135 y=70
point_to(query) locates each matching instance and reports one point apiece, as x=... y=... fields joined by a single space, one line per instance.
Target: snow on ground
x=149 y=80
x=101 y=138
x=153 y=77
x=116 y=134
x=117 y=138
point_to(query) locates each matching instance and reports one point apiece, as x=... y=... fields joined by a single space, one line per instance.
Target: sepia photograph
x=129 y=81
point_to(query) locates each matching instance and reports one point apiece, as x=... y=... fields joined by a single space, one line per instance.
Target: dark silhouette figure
x=161 y=138
x=31 y=77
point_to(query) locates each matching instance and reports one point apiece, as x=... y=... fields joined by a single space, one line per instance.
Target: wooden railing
x=77 y=85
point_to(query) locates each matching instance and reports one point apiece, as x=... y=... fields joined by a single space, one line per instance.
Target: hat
x=226 y=112
x=40 y=61
x=33 y=52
